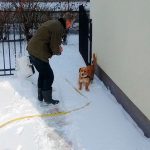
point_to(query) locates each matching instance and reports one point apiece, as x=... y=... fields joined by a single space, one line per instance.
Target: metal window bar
x=3 y=57
x=20 y=32
x=90 y=41
x=8 y=34
x=14 y=31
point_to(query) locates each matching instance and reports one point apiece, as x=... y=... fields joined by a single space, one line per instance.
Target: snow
x=101 y=125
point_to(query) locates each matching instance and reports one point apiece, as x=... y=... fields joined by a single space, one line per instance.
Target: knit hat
x=69 y=16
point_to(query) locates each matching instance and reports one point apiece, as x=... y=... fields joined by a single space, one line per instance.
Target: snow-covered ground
x=101 y=125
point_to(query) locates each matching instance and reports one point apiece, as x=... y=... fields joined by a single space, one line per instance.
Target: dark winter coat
x=46 y=40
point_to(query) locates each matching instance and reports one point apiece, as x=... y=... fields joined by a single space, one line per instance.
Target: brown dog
x=86 y=74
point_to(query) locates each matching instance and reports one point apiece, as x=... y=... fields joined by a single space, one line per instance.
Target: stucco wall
x=121 y=41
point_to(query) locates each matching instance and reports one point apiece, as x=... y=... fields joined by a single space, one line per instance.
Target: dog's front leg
x=80 y=85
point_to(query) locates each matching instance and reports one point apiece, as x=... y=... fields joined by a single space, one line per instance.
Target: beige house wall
x=121 y=41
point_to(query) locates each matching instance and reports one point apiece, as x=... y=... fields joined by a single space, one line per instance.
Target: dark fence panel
x=11 y=43
x=85 y=35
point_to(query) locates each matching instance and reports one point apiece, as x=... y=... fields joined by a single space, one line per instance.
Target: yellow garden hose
x=41 y=116
x=46 y=115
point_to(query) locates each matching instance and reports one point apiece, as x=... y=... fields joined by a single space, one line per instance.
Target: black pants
x=65 y=37
x=46 y=75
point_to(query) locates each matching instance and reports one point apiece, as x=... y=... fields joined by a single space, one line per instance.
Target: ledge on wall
x=142 y=121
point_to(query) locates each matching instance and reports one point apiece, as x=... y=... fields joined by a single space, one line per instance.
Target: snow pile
x=24 y=67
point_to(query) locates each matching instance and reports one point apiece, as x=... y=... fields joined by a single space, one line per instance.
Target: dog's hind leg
x=87 y=86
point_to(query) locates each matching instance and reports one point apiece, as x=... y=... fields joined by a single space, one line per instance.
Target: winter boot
x=47 y=96
x=40 y=96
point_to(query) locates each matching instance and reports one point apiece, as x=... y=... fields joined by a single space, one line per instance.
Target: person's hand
x=61 y=49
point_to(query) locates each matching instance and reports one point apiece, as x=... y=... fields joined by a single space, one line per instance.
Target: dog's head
x=83 y=72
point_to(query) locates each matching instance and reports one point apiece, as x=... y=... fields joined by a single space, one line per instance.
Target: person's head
x=69 y=18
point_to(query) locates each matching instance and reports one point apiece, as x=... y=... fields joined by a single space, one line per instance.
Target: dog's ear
x=79 y=69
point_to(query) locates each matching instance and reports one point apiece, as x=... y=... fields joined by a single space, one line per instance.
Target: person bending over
x=45 y=43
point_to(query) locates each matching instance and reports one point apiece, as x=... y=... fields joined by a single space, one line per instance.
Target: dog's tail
x=94 y=61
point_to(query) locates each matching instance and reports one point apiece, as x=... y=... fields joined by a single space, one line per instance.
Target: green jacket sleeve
x=55 y=43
